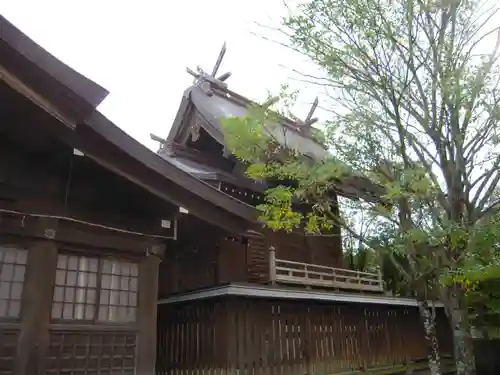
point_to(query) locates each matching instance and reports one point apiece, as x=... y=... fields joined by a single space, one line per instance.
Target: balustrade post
x=380 y=278
x=272 y=265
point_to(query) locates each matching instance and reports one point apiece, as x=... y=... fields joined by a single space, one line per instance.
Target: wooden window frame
x=20 y=299
x=95 y=321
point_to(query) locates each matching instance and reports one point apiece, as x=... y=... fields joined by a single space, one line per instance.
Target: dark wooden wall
x=324 y=250
x=188 y=267
x=204 y=257
x=68 y=308
x=202 y=260
x=191 y=261
x=74 y=297
x=257 y=336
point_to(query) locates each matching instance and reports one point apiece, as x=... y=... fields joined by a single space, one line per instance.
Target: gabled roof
x=219 y=102
x=211 y=100
x=72 y=99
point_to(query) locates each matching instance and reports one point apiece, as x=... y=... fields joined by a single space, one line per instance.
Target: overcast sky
x=139 y=50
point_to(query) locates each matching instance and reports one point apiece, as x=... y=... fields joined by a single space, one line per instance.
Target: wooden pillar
x=147 y=311
x=34 y=338
x=272 y=265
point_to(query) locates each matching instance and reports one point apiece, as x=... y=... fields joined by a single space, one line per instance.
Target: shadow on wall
x=487 y=356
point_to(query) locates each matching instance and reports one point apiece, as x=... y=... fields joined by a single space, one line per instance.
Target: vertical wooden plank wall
x=192 y=337
x=238 y=336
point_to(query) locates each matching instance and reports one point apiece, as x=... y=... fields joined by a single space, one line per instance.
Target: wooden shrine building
x=263 y=302
x=118 y=260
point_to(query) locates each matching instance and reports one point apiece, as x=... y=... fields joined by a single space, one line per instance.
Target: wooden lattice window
x=12 y=270
x=95 y=289
x=118 y=294
x=91 y=353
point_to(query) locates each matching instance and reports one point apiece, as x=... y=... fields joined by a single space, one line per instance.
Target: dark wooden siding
x=256 y=336
x=232 y=261
x=326 y=251
x=189 y=264
x=84 y=351
x=257 y=259
x=8 y=348
x=289 y=246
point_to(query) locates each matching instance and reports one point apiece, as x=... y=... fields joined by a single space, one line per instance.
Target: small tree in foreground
x=413 y=88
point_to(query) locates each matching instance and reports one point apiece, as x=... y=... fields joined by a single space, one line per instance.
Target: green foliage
x=277 y=210
x=245 y=137
x=484 y=303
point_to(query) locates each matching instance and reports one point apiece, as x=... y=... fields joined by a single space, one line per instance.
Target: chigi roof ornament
x=207 y=81
x=305 y=125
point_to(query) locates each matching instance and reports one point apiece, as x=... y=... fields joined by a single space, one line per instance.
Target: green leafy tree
x=413 y=89
x=480 y=274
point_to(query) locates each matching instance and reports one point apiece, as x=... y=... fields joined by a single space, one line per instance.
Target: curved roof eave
x=74 y=93
x=155 y=162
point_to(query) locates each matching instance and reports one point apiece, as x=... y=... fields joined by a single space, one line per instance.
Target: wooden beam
x=17 y=85
x=308 y=120
x=158 y=139
x=219 y=59
x=77 y=236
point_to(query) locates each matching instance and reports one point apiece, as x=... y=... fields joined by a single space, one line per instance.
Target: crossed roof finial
x=305 y=125
x=219 y=59
x=205 y=80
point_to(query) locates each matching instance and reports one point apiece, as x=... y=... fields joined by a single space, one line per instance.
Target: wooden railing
x=289 y=272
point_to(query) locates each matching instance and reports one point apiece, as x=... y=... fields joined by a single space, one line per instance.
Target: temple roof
x=219 y=103
x=209 y=100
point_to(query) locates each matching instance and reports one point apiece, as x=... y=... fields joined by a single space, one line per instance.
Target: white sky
x=139 y=50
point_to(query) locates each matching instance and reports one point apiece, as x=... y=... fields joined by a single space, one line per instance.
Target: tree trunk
x=462 y=340
x=429 y=322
